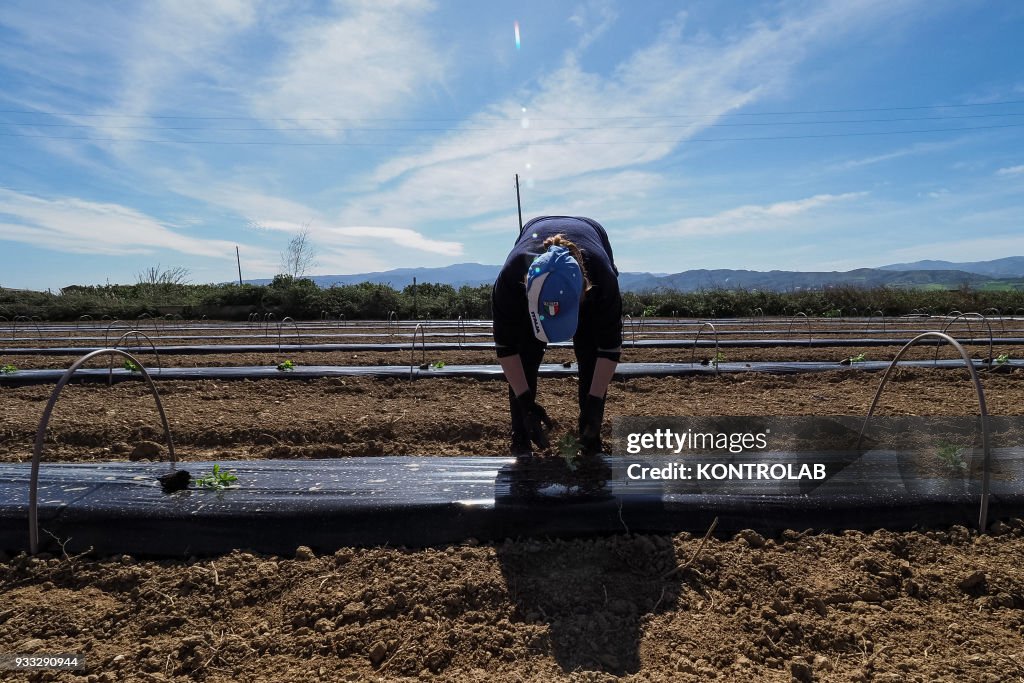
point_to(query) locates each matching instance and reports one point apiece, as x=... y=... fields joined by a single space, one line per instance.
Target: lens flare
x=517 y=34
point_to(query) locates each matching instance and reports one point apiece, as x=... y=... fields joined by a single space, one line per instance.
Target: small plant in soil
x=8 y=369
x=286 y=366
x=218 y=479
x=1002 y=359
x=130 y=366
x=952 y=457
x=569 y=448
x=859 y=358
x=713 y=362
x=438 y=365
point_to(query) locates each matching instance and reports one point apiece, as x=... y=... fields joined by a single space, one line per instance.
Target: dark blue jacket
x=600 y=322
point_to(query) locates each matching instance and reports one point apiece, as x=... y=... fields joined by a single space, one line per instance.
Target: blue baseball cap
x=554 y=285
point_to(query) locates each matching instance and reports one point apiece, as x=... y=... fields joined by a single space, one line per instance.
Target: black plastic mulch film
x=706 y=342
x=420 y=501
x=820 y=473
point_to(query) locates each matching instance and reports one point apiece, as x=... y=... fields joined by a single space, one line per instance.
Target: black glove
x=535 y=420
x=591 y=418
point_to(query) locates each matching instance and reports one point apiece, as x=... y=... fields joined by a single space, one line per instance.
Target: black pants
x=532 y=353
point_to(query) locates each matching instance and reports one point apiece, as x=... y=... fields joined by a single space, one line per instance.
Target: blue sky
x=776 y=135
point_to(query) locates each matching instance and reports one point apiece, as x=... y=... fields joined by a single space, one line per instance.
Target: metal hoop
x=37 y=450
x=986 y=448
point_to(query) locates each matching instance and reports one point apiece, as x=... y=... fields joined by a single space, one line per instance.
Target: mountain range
x=1009 y=267
x=1001 y=273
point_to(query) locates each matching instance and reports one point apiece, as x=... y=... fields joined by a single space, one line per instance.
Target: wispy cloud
x=749 y=218
x=575 y=124
x=594 y=18
x=266 y=211
x=372 y=60
x=608 y=134
x=402 y=237
x=79 y=226
x=361 y=60
x=60 y=52
x=178 y=40
x=175 y=54
x=910 y=150
x=259 y=206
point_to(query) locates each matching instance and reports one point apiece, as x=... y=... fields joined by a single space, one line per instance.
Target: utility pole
x=239 y=259
x=519 y=205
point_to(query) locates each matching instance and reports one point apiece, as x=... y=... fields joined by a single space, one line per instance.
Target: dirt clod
x=972 y=581
x=146 y=450
x=751 y=538
x=686 y=666
x=800 y=671
x=377 y=653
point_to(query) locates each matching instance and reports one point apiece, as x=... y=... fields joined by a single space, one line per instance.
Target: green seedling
x=952 y=457
x=719 y=357
x=218 y=480
x=8 y=369
x=569 y=447
x=437 y=365
x=286 y=366
x=130 y=365
x=1002 y=359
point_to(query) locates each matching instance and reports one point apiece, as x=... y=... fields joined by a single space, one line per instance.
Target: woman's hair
x=560 y=240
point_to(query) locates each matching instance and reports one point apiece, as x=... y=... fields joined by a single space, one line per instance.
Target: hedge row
x=303 y=299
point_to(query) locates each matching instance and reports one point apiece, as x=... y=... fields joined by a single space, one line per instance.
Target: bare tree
x=154 y=275
x=300 y=254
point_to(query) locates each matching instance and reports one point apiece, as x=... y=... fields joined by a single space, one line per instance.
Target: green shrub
x=301 y=298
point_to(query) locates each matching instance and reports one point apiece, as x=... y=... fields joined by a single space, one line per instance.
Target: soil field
x=487 y=357
x=928 y=605
x=339 y=417
x=943 y=605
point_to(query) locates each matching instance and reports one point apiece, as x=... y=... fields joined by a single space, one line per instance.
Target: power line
x=525 y=142
x=516 y=127
x=549 y=118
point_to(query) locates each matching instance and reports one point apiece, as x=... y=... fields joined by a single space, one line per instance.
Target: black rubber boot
x=521 y=447
x=591 y=419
